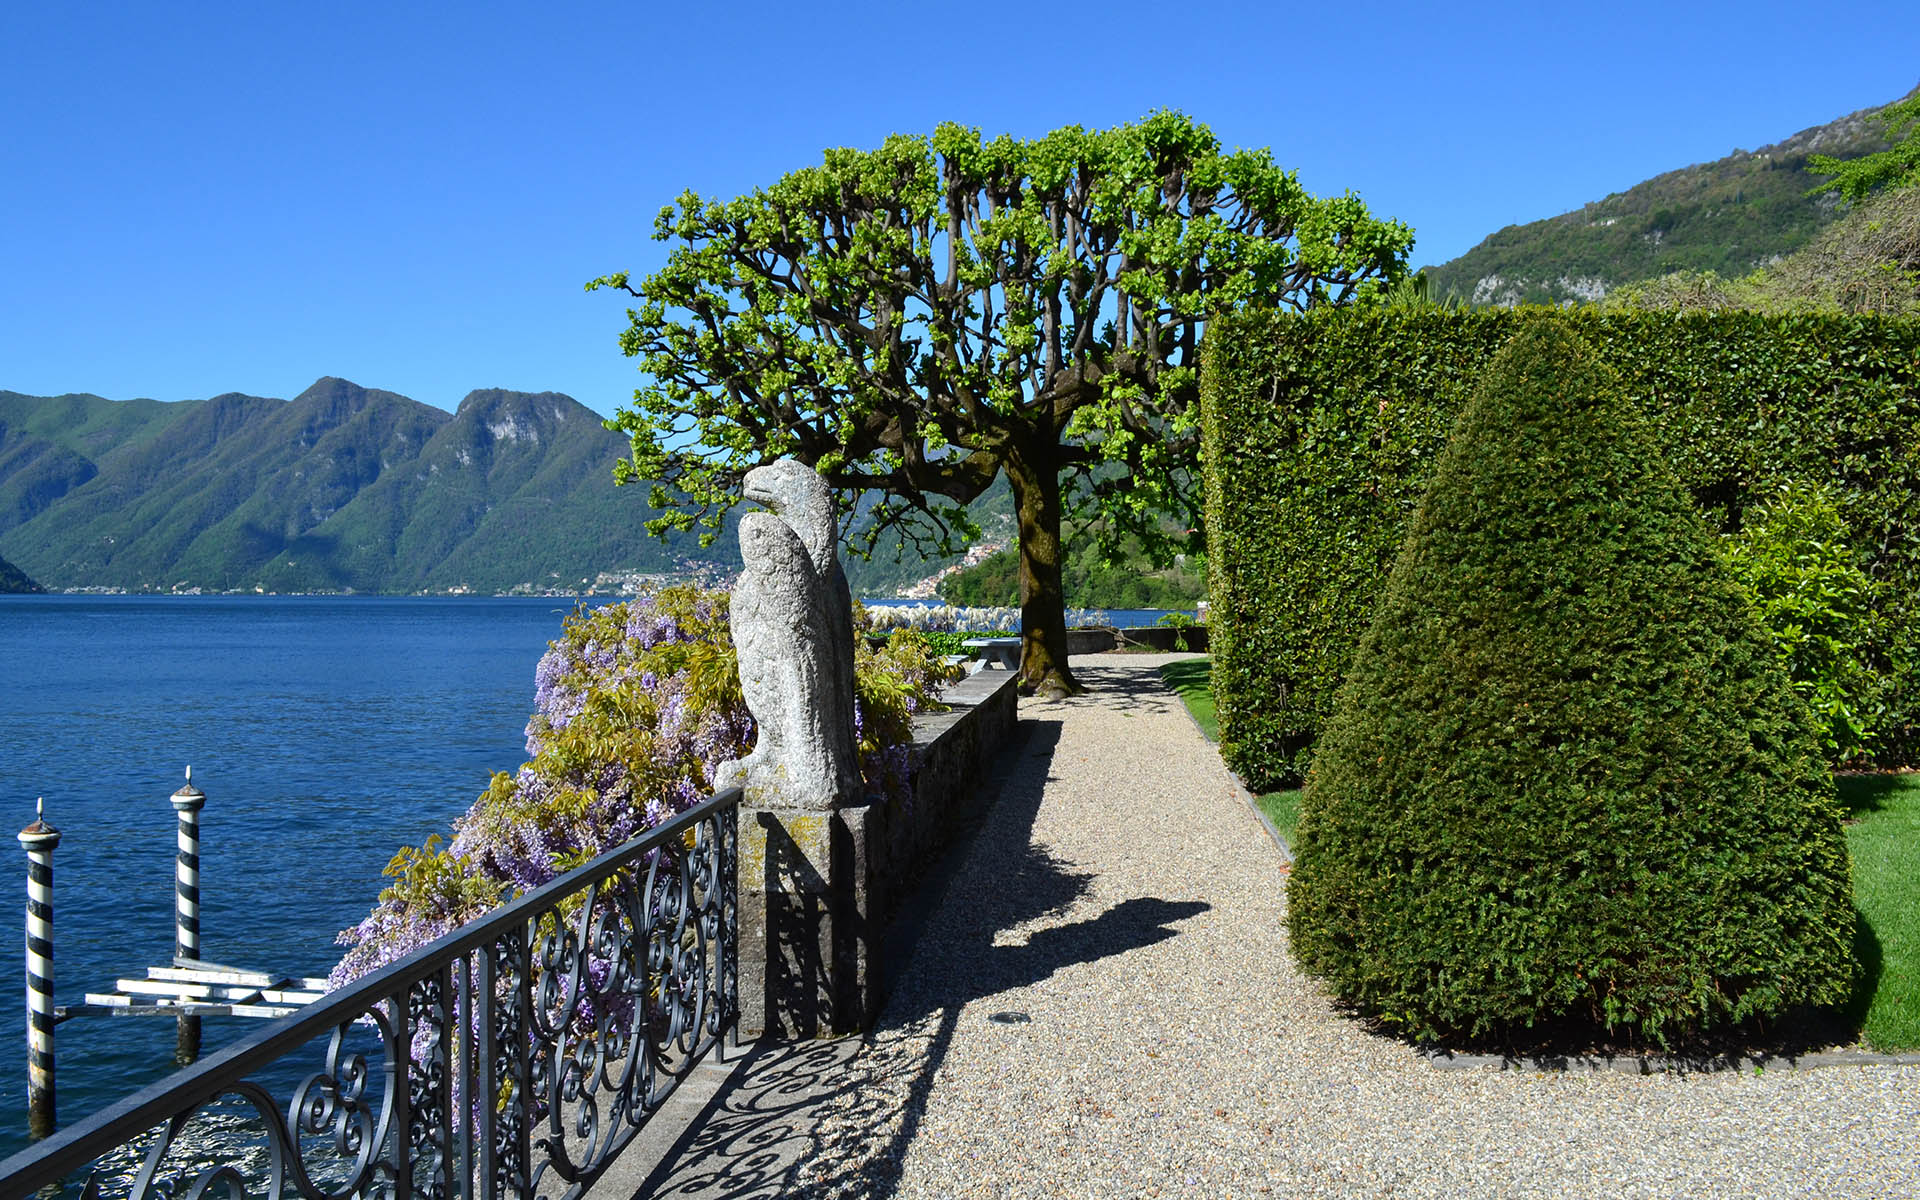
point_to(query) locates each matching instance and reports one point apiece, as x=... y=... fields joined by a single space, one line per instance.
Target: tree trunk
x=1035 y=478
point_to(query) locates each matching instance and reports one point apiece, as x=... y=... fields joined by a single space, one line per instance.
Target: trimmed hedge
x=1567 y=780
x=1320 y=431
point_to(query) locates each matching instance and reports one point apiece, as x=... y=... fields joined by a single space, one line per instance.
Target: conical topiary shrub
x=1567 y=781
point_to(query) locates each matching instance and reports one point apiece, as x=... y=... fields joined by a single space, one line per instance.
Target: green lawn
x=1192 y=680
x=1283 y=809
x=1886 y=888
x=1882 y=833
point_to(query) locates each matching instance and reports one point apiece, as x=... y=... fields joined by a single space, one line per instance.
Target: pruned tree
x=915 y=320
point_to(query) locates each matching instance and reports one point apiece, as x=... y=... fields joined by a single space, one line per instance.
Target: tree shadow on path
x=762 y=1134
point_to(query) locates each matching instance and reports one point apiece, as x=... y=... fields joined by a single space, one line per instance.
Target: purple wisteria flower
x=631 y=720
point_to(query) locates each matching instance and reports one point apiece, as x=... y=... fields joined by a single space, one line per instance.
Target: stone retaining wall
x=1166 y=637
x=1095 y=639
x=951 y=751
x=1092 y=639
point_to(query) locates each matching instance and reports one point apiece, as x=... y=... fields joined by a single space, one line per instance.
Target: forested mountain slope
x=341 y=488
x=1868 y=261
x=1729 y=216
x=13 y=579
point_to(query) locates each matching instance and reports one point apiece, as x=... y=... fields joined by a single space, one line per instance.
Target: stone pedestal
x=819 y=889
x=807 y=949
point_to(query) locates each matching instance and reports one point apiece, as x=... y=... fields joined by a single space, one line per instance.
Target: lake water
x=325 y=731
x=1119 y=618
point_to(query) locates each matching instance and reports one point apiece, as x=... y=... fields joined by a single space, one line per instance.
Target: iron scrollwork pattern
x=511 y=1106
x=635 y=989
x=332 y=1106
x=429 y=1099
x=330 y=1141
x=529 y=1046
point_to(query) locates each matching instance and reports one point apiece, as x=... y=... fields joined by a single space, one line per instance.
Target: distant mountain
x=341 y=488
x=1729 y=216
x=14 y=580
x=896 y=567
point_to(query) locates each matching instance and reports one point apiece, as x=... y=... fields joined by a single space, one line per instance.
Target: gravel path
x=1124 y=899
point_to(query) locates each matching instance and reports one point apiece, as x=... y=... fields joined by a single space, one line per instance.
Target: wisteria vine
x=635 y=705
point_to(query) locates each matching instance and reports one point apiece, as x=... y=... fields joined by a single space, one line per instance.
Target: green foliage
x=1726 y=217
x=1415 y=291
x=1136 y=583
x=890 y=563
x=1899 y=163
x=744 y=334
x=1566 y=781
x=1180 y=621
x=993 y=582
x=434 y=887
x=891 y=685
x=918 y=320
x=1814 y=601
x=1687 y=291
x=1322 y=430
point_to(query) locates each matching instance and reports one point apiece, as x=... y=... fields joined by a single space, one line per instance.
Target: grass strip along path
x=1883 y=832
x=1192 y=680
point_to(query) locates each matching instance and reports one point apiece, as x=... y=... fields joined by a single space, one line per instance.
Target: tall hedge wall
x=1320 y=431
x=1567 y=780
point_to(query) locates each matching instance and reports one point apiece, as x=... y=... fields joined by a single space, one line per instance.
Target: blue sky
x=200 y=199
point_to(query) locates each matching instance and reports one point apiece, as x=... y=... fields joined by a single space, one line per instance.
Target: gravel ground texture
x=1120 y=911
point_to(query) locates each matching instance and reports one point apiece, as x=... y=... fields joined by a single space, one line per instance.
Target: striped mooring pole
x=39 y=840
x=187 y=802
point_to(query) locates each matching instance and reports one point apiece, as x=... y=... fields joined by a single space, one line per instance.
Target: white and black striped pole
x=39 y=840
x=187 y=802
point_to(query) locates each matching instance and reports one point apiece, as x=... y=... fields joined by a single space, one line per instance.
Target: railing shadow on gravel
x=794 y=1120
x=516 y=1056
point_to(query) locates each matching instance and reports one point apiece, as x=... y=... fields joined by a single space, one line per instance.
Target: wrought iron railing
x=515 y=1057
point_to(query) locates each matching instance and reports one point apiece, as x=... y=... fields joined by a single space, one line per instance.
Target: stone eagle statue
x=793 y=627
